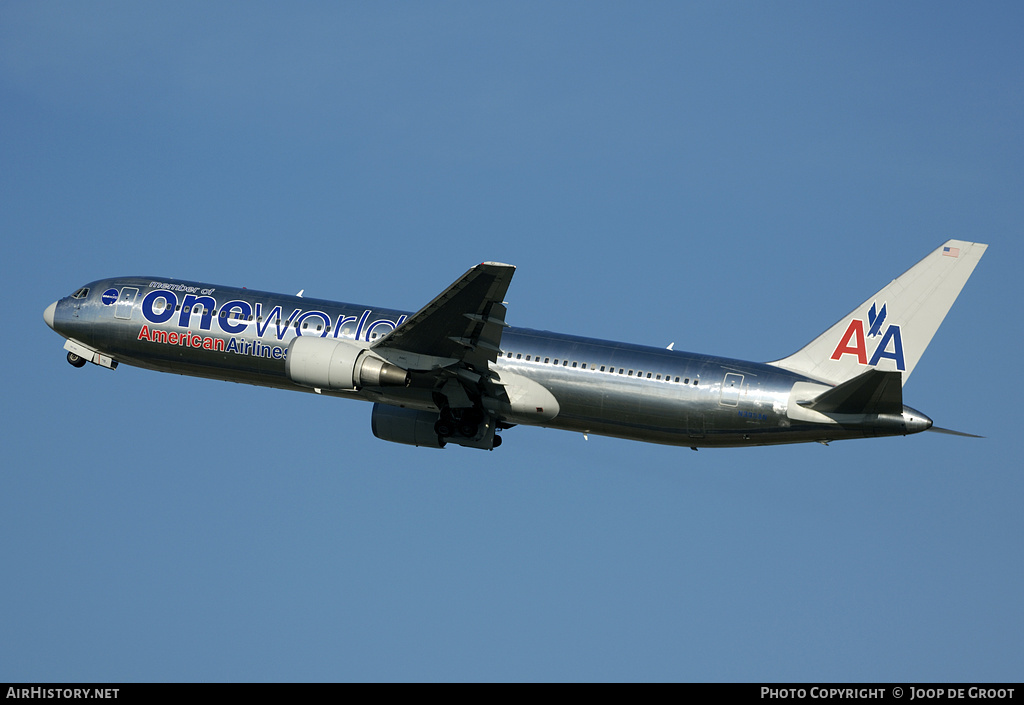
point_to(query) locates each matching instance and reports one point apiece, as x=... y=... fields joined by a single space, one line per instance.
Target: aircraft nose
x=48 y=314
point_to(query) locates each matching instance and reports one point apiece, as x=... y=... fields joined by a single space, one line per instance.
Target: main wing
x=462 y=324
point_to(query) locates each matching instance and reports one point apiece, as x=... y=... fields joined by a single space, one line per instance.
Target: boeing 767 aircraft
x=456 y=372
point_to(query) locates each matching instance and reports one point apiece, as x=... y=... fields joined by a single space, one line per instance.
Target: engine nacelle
x=416 y=428
x=325 y=363
x=409 y=426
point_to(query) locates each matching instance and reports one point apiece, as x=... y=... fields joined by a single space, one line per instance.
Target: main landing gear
x=463 y=423
x=76 y=360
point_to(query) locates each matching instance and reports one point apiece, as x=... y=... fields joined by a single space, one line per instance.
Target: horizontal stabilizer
x=951 y=432
x=873 y=392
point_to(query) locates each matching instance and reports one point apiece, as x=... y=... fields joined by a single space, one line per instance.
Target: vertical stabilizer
x=891 y=330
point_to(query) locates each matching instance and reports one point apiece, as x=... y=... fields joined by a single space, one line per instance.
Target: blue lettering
x=170 y=301
x=892 y=333
x=390 y=325
x=275 y=314
x=287 y=322
x=225 y=320
x=208 y=303
x=362 y=321
x=342 y=320
x=319 y=314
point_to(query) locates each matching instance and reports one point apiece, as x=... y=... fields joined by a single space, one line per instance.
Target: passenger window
x=527 y=358
x=630 y=373
x=649 y=375
x=695 y=380
x=548 y=359
x=621 y=370
x=574 y=364
x=602 y=368
x=564 y=363
x=519 y=356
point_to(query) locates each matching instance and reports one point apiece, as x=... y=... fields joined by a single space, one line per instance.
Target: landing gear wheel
x=468 y=429
x=76 y=360
x=444 y=428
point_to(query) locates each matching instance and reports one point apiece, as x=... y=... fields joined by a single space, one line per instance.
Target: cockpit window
x=81 y=293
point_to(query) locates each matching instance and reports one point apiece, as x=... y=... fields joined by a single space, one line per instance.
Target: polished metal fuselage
x=602 y=387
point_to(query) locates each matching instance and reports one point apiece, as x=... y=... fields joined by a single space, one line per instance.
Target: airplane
x=455 y=372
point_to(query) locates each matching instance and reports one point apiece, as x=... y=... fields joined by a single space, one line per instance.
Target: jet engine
x=324 y=363
x=418 y=428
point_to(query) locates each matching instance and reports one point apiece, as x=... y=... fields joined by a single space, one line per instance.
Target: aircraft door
x=125 y=303
x=731 y=387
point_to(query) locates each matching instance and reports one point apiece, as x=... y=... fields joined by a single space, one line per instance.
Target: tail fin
x=891 y=330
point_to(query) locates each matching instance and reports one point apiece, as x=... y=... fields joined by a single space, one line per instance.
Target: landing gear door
x=125 y=303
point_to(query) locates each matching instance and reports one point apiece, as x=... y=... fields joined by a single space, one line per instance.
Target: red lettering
x=144 y=333
x=859 y=348
x=172 y=338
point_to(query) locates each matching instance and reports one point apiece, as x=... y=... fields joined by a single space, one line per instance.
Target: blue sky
x=733 y=177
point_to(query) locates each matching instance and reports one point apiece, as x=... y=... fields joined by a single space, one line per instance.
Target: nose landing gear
x=76 y=360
